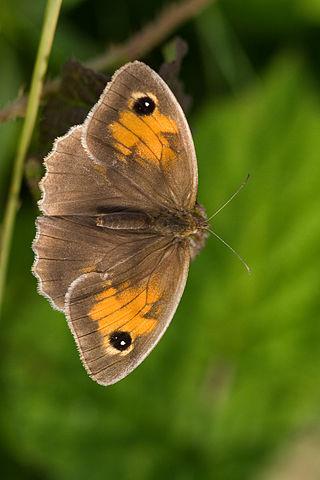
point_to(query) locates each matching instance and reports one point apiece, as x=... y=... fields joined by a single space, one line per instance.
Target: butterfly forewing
x=154 y=149
x=74 y=184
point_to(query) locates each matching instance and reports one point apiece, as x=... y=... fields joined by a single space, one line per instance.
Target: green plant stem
x=49 y=25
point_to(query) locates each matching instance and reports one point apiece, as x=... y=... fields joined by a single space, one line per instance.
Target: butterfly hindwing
x=117 y=319
x=65 y=248
x=68 y=247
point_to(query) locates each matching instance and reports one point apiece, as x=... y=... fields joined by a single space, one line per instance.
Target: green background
x=232 y=392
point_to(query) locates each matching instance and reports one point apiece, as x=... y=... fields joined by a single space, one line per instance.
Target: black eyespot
x=144 y=106
x=120 y=340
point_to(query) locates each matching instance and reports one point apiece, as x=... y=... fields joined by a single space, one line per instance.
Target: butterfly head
x=188 y=226
x=197 y=237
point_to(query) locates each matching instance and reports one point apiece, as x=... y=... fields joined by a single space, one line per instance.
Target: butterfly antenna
x=232 y=250
x=243 y=184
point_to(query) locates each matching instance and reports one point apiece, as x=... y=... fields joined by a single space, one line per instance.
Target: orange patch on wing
x=146 y=134
x=125 y=310
x=105 y=294
x=122 y=149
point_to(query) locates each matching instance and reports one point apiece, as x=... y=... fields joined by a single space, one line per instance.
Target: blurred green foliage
x=237 y=374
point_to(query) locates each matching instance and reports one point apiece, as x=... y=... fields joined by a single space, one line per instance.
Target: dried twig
x=137 y=46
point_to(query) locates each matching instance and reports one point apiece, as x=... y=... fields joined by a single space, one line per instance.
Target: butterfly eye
x=120 y=340
x=144 y=106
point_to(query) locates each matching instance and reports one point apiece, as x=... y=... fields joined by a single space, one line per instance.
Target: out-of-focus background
x=232 y=392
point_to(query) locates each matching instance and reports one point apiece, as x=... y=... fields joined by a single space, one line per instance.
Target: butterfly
x=120 y=222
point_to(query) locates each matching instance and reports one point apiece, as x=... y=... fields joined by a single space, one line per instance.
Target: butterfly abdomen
x=124 y=221
x=179 y=224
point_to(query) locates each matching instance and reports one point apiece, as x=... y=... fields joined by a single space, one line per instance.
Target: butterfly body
x=178 y=225
x=120 y=222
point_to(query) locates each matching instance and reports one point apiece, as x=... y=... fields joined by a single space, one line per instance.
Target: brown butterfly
x=120 y=222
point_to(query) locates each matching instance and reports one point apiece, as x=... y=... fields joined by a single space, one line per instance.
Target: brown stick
x=139 y=45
